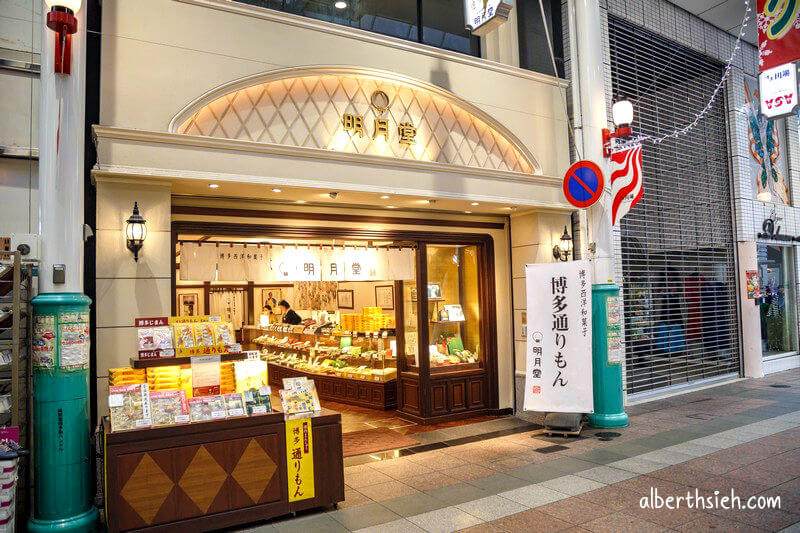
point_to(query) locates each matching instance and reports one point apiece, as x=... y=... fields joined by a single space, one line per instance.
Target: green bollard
x=62 y=432
x=606 y=376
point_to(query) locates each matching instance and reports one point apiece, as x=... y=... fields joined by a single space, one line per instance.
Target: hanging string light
x=657 y=139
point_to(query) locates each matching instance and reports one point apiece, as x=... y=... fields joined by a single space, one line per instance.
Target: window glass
x=534 y=54
x=443 y=26
x=453 y=307
x=443 y=20
x=777 y=299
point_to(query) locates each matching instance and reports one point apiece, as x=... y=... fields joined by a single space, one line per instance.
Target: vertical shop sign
x=300 y=458
x=482 y=16
x=44 y=341
x=778 y=24
x=777 y=90
x=73 y=339
x=614 y=331
x=558 y=375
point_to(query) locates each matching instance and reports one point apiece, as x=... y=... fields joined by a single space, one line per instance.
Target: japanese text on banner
x=559 y=338
x=300 y=459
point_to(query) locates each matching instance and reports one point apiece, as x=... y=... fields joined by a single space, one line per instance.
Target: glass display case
x=453 y=309
x=360 y=356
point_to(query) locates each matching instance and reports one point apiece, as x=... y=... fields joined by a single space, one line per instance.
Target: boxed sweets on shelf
x=234 y=404
x=299 y=395
x=202 y=408
x=126 y=376
x=169 y=407
x=129 y=407
x=258 y=401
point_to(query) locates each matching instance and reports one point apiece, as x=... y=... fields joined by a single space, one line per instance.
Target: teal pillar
x=62 y=430
x=606 y=371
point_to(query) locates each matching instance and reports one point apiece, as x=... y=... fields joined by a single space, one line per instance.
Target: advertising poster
x=767 y=147
x=44 y=341
x=753 y=284
x=614 y=331
x=73 y=340
x=558 y=370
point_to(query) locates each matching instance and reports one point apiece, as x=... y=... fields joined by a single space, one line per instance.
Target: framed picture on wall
x=434 y=291
x=344 y=299
x=384 y=296
x=189 y=304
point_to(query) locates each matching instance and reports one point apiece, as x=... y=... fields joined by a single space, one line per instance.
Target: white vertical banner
x=401 y=264
x=358 y=262
x=198 y=262
x=332 y=260
x=558 y=369
x=256 y=263
x=230 y=262
x=301 y=263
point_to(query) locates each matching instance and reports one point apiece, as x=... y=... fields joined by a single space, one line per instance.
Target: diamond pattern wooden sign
x=167 y=485
x=345 y=111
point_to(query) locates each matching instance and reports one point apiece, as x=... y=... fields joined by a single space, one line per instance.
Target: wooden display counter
x=212 y=475
x=374 y=394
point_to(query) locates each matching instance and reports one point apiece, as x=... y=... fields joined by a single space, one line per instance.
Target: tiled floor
x=743 y=436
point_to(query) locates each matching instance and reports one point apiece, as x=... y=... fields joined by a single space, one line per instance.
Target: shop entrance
x=777 y=304
x=392 y=327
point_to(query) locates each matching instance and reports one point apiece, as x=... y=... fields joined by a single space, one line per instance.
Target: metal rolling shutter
x=678 y=267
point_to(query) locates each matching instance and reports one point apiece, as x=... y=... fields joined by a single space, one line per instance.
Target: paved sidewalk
x=743 y=436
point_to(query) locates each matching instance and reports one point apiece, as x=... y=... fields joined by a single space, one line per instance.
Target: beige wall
x=533 y=236
x=159 y=55
x=127 y=289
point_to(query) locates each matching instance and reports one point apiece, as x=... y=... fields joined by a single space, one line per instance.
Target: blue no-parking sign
x=583 y=184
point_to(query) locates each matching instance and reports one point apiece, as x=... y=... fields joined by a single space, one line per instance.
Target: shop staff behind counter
x=289 y=316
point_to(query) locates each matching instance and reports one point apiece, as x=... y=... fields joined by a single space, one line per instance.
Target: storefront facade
x=405 y=149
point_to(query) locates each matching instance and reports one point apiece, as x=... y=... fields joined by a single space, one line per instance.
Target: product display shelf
x=329 y=332
x=17 y=284
x=171 y=361
x=374 y=394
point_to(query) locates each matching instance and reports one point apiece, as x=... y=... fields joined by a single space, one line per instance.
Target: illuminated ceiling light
x=468 y=212
x=213 y=185
x=276 y=190
x=508 y=208
x=391 y=207
x=385 y=197
x=300 y=201
x=340 y=4
x=474 y=203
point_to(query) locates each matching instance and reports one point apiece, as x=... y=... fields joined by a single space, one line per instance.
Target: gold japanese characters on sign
x=379 y=101
x=352 y=110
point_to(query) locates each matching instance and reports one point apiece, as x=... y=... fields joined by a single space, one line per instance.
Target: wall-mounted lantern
x=563 y=249
x=622 y=115
x=135 y=231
